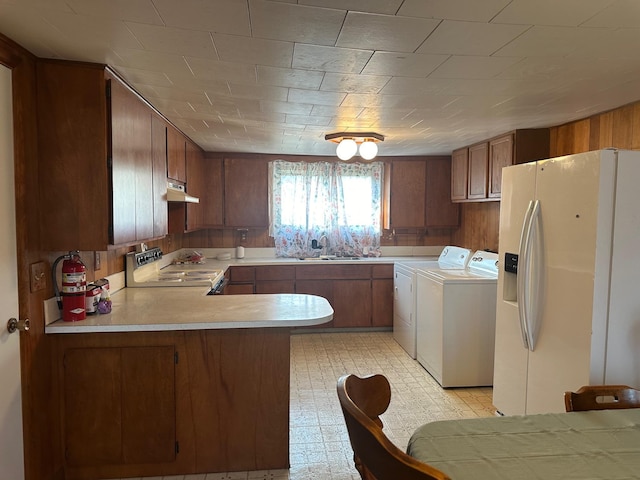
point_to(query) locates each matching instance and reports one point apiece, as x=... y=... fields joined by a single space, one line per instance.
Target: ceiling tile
x=234 y=48
x=387 y=7
x=221 y=16
x=570 y=13
x=259 y=92
x=215 y=70
x=402 y=64
x=286 y=107
x=153 y=61
x=289 y=77
x=469 y=38
x=547 y=42
x=330 y=59
x=473 y=67
x=295 y=23
x=139 y=11
x=194 y=43
x=349 y=83
x=315 y=97
x=470 y=10
x=619 y=13
x=384 y=32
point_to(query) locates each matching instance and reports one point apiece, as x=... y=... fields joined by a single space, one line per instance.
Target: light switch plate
x=38 y=276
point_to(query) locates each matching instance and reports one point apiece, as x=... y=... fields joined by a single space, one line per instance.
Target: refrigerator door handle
x=532 y=275
x=523 y=274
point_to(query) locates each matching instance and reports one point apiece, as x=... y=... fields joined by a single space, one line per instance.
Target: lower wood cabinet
x=361 y=295
x=159 y=404
x=119 y=406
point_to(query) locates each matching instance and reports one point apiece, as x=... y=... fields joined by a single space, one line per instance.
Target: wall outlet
x=96 y=260
x=38 y=276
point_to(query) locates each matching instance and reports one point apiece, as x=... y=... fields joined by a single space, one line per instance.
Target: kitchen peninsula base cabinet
x=141 y=404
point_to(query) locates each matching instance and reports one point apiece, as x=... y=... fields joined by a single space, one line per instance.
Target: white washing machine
x=456 y=318
x=404 y=292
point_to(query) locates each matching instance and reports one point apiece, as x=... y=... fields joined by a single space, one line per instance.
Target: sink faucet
x=325 y=244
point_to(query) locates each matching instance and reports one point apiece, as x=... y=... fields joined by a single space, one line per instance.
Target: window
x=336 y=204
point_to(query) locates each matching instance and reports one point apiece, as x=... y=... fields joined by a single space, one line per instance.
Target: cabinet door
x=131 y=166
x=159 y=153
x=382 y=302
x=408 y=193
x=478 y=171
x=321 y=288
x=500 y=156
x=352 y=303
x=119 y=405
x=440 y=210
x=176 y=154
x=246 y=193
x=459 y=174
x=195 y=185
x=213 y=196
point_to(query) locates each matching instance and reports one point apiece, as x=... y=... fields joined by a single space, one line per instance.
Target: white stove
x=145 y=269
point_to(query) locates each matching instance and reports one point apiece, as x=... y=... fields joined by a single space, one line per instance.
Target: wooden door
x=176 y=154
x=440 y=211
x=500 y=156
x=131 y=166
x=459 y=174
x=195 y=185
x=408 y=193
x=213 y=195
x=119 y=405
x=246 y=193
x=159 y=156
x=351 y=303
x=478 y=171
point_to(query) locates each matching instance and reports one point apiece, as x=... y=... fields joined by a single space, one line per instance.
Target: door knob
x=14 y=324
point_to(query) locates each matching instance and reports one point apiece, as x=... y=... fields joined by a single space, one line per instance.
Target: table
x=603 y=444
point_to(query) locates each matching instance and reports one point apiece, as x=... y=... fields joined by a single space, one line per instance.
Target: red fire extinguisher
x=74 y=287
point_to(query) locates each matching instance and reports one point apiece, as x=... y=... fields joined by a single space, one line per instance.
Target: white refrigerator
x=568 y=306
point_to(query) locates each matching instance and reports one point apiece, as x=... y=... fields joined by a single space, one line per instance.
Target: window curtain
x=336 y=204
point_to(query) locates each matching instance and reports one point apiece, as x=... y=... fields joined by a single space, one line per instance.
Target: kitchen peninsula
x=177 y=382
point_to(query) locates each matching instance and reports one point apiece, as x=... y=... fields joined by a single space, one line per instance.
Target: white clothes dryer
x=455 y=320
x=404 y=292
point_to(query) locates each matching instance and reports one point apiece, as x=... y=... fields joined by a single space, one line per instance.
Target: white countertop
x=189 y=308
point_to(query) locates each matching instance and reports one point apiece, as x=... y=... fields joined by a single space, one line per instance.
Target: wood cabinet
x=420 y=194
x=478 y=171
x=173 y=403
x=176 y=155
x=119 y=406
x=213 y=195
x=361 y=295
x=246 y=193
x=195 y=185
x=96 y=139
x=159 y=154
x=478 y=168
x=459 y=174
x=382 y=295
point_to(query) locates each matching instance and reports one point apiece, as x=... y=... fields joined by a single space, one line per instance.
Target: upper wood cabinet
x=159 y=154
x=479 y=167
x=420 y=194
x=459 y=174
x=176 y=155
x=213 y=195
x=95 y=142
x=195 y=184
x=478 y=171
x=246 y=193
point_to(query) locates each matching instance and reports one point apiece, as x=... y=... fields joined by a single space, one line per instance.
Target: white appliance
x=456 y=314
x=404 y=292
x=568 y=310
x=147 y=269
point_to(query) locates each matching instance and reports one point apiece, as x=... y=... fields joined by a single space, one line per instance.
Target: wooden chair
x=375 y=456
x=602 y=397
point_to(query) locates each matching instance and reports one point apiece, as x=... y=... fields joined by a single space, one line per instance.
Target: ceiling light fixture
x=349 y=143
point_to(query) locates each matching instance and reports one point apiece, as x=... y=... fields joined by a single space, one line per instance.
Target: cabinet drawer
x=382 y=271
x=339 y=272
x=276 y=273
x=242 y=274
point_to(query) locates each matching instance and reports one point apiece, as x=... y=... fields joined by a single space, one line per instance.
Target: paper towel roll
x=239 y=252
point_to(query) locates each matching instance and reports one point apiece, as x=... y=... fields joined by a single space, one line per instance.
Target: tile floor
x=319 y=445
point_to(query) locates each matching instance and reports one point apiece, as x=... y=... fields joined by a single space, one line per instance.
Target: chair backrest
x=602 y=397
x=363 y=400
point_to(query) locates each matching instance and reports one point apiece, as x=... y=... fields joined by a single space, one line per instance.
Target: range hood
x=176 y=193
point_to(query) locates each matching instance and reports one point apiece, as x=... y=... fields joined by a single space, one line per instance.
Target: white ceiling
x=276 y=76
